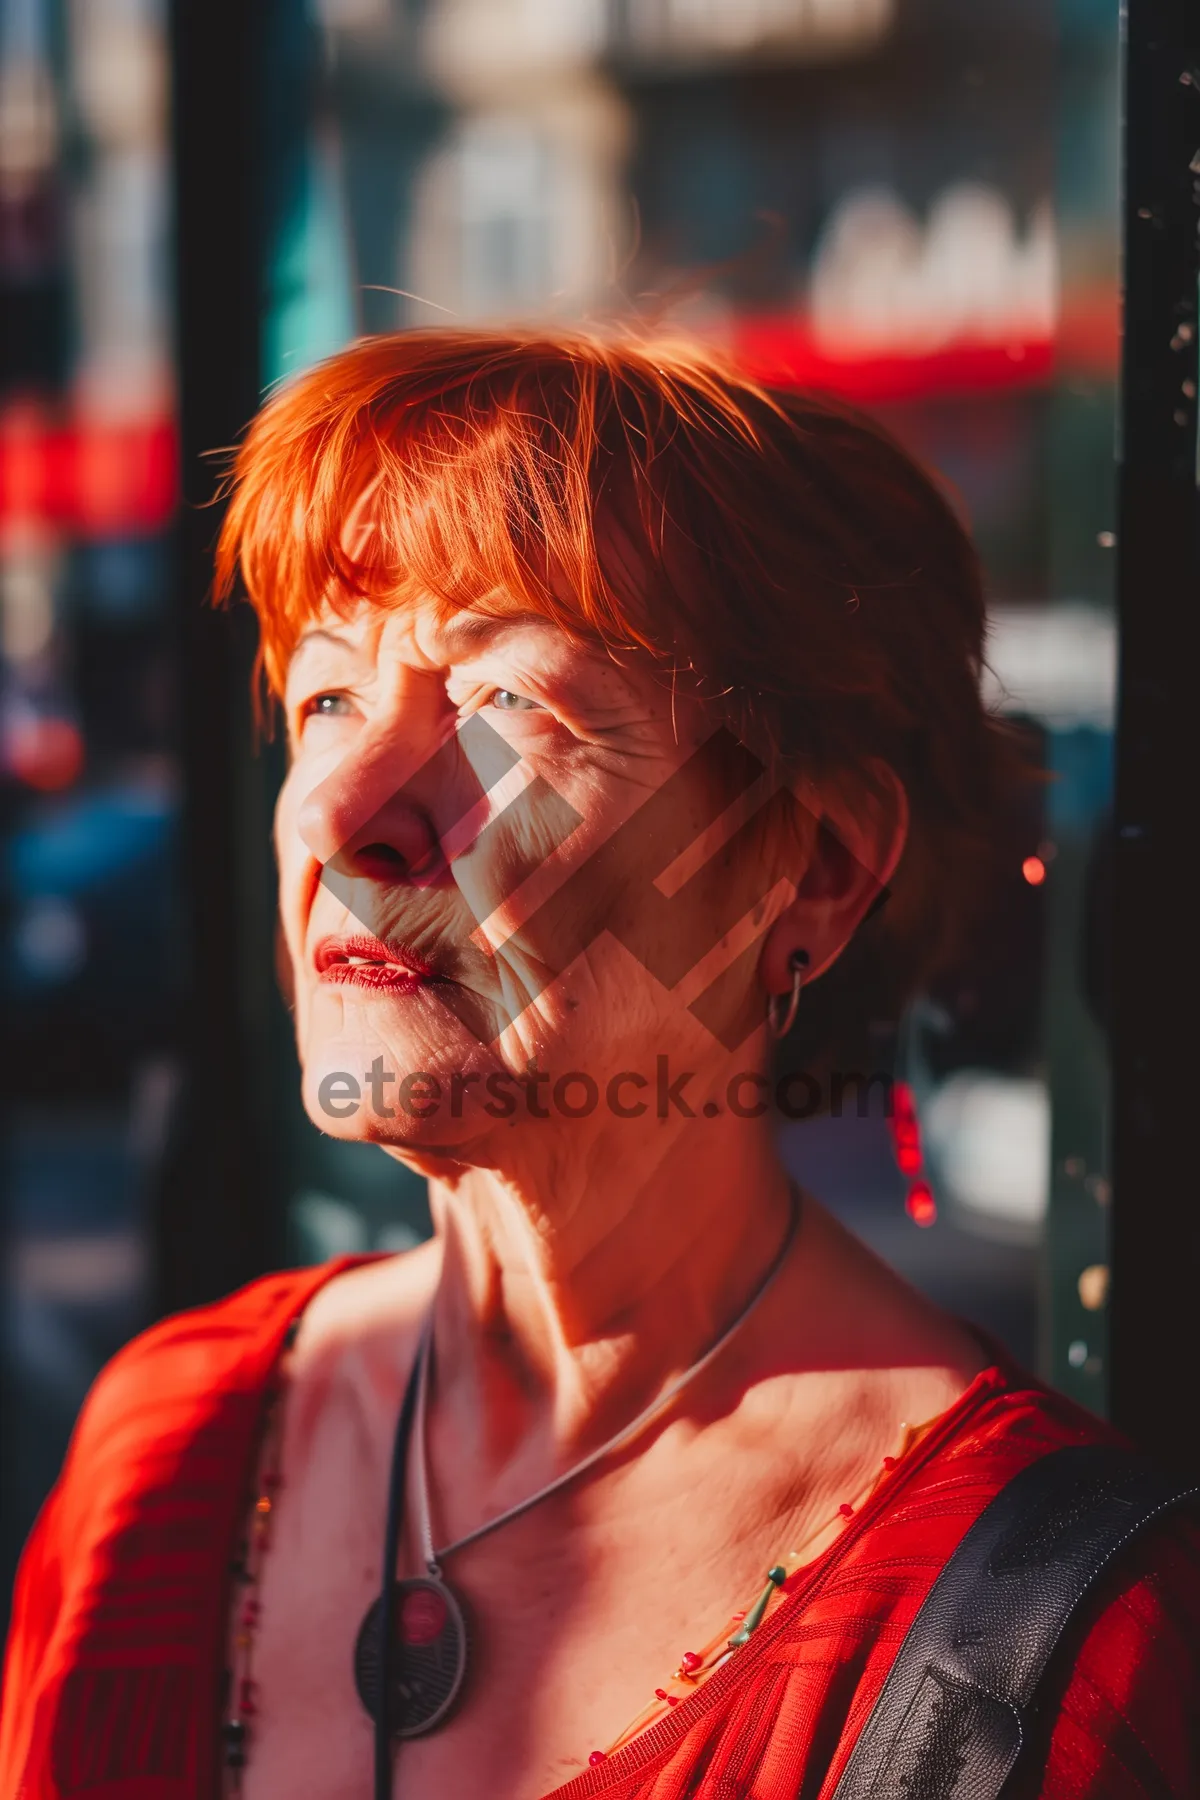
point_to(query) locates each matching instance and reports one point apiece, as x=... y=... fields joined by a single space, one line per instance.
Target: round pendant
x=428 y=1659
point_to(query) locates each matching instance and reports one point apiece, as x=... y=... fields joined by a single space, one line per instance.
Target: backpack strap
x=954 y=1710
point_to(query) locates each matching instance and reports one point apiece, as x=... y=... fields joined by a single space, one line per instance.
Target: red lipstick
x=369 y=962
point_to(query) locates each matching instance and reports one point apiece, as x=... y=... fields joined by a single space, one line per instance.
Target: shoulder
x=353 y=1353
x=185 y=1391
x=154 y=1466
x=899 y=1539
x=380 y=1298
x=1006 y=1419
x=1120 y=1715
x=195 y=1354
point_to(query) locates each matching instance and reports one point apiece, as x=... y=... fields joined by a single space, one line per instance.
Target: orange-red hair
x=782 y=555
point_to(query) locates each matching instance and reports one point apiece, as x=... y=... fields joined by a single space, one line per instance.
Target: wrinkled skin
x=583 y=1261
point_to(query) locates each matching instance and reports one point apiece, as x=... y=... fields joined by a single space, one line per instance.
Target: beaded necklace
x=240 y=1707
x=695 y=1666
x=240 y=1703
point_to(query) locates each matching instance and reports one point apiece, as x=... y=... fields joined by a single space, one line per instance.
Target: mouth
x=369 y=962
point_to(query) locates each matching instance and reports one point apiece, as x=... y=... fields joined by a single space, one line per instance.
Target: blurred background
x=913 y=203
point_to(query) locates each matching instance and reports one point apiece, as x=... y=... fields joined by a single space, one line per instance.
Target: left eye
x=507 y=701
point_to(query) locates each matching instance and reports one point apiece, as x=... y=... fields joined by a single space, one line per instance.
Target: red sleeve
x=35 y=1605
x=1123 y=1718
x=56 y=1550
x=167 y=1429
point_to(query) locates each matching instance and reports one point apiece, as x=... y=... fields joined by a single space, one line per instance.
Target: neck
x=561 y=1323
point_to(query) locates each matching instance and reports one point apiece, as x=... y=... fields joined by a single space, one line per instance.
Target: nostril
x=381 y=861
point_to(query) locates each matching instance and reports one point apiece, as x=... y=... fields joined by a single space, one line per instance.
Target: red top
x=112 y=1683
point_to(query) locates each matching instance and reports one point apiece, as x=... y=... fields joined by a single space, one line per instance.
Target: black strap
x=955 y=1708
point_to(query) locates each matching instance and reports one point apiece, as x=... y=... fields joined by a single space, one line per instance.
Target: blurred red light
x=921 y=1206
x=903 y=1104
x=95 y=478
x=783 y=349
x=45 y=752
x=1034 y=870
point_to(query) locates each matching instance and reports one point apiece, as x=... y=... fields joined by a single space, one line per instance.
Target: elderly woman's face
x=506 y=859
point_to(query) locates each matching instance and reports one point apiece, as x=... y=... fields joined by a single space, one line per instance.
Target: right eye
x=326 y=706
x=505 y=700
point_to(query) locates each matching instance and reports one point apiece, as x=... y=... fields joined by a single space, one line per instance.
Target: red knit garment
x=115 y=1657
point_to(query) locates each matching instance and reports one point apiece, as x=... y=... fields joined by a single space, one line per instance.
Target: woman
x=623 y=701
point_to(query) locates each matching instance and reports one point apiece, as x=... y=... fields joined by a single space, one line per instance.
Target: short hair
x=793 y=566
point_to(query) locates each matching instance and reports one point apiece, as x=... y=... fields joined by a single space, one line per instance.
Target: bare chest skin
x=579 y=1610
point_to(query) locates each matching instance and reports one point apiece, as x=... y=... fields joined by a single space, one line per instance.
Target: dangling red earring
x=919 y=1204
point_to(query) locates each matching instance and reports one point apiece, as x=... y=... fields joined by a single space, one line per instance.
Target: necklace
x=412 y=1644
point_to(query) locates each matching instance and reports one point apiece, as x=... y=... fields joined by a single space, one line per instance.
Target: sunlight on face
x=500 y=848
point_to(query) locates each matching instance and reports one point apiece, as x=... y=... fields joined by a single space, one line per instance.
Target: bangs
x=475 y=471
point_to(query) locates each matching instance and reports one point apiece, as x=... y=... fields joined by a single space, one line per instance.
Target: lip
x=368 y=962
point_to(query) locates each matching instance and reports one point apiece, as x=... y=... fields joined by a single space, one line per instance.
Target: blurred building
x=89 y=949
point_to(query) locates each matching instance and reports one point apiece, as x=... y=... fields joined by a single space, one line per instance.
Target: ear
x=860 y=838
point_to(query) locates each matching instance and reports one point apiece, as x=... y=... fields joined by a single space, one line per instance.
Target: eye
x=506 y=701
x=326 y=706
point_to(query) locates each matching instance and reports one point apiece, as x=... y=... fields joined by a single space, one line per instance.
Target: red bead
x=660 y=1693
x=247 y=1704
x=690 y=1661
x=846 y=1510
x=889 y=1462
x=597 y=1756
x=251 y=1613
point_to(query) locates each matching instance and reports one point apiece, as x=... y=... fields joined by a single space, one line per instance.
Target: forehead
x=363 y=641
x=427 y=633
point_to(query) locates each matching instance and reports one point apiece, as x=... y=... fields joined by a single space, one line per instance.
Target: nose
x=372 y=815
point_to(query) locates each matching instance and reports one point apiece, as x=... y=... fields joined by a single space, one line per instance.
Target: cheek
x=294 y=864
x=552 y=892
x=288 y=845
x=537 y=879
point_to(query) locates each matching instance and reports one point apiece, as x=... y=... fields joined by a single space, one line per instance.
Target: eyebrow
x=461 y=634
x=310 y=637
x=471 y=630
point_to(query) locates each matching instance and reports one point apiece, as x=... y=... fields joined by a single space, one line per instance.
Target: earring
x=798 y=962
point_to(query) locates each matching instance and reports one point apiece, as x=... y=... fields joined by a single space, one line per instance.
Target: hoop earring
x=798 y=962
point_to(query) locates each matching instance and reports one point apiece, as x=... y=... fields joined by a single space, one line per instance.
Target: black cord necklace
x=374 y=1650
x=412 y=1644
x=410 y=1655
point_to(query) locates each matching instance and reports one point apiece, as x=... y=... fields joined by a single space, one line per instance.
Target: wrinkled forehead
x=426 y=631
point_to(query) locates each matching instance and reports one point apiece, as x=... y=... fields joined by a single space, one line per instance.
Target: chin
x=411 y=1084
x=432 y=1145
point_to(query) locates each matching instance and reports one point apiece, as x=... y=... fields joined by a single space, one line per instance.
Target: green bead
x=754 y=1617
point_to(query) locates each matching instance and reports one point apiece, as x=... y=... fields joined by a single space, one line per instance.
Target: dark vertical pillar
x=215 y=1226
x=1156 y=1221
